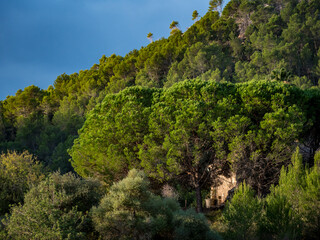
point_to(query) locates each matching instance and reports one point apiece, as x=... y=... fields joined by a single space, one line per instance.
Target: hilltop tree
x=150 y=37
x=174 y=26
x=195 y=15
x=215 y=4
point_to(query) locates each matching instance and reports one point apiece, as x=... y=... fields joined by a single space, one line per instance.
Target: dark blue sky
x=41 y=39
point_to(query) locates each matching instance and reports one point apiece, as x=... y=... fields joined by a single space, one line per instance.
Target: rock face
x=221 y=190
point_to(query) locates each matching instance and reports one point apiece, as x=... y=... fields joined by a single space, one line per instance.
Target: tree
x=178 y=144
x=122 y=212
x=55 y=209
x=214 y=4
x=292 y=207
x=198 y=59
x=174 y=27
x=192 y=130
x=277 y=113
x=150 y=37
x=195 y=15
x=290 y=210
x=242 y=214
x=108 y=142
x=2 y=124
x=18 y=173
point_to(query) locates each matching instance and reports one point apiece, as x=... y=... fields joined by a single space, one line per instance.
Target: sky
x=42 y=39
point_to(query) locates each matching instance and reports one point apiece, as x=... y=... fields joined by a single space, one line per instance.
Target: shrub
x=190 y=225
x=55 y=209
x=131 y=211
x=18 y=173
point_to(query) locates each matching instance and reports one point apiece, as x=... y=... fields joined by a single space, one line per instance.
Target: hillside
x=252 y=40
x=238 y=92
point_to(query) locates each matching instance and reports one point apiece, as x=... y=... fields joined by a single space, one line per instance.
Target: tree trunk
x=199 y=198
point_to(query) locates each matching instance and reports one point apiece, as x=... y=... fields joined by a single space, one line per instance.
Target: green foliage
x=292 y=208
x=251 y=128
x=279 y=220
x=195 y=15
x=192 y=226
x=150 y=36
x=214 y=4
x=131 y=211
x=174 y=25
x=242 y=214
x=248 y=40
x=18 y=173
x=55 y=209
x=192 y=130
x=25 y=102
x=121 y=213
x=198 y=59
x=178 y=143
x=108 y=143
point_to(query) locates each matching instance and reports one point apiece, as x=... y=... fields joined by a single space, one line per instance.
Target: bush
x=18 y=173
x=55 y=209
x=131 y=211
x=121 y=213
x=190 y=225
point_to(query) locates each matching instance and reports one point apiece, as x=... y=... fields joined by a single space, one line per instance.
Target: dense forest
x=238 y=92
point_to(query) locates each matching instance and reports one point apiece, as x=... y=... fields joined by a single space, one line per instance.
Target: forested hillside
x=251 y=40
x=238 y=91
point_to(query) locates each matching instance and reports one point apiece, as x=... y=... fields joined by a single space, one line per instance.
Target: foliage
x=290 y=210
x=108 y=143
x=242 y=214
x=150 y=36
x=178 y=143
x=131 y=211
x=193 y=130
x=192 y=226
x=18 y=173
x=55 y=209
x=195 y=15
x=121 y=213
x=255 y=97
x=248 y=40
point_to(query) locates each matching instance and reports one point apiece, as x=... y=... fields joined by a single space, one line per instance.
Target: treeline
x=250 y=40
x=196 y=130
x=185 y=136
